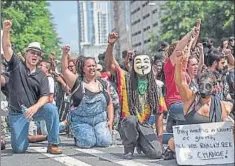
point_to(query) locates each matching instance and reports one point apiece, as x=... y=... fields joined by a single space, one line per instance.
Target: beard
x=218 y=69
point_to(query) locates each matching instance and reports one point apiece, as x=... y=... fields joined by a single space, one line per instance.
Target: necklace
x=142 y=86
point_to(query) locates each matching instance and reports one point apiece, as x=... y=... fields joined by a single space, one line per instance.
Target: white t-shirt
x=51 y=86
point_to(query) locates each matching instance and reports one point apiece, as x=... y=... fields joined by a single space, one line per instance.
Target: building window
x=155 y=24
x=147 y=41
x=146 y=16
x=134 y=11
x=145 y=4
x=147 y=28
x=136 y=33
x=137 y=44
x=154 y=11
x=135 y=22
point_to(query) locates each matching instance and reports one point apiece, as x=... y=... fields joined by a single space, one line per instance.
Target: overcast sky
x=65 y=17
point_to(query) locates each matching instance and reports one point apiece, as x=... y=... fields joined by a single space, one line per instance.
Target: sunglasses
x=35 y=53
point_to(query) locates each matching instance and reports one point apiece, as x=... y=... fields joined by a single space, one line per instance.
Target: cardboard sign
x=205 y=143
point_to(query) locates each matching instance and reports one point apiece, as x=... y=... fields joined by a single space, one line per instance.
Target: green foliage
x=32 y=21
x=180 y=16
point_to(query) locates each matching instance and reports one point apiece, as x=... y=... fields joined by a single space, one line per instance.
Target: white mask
x=142 y=64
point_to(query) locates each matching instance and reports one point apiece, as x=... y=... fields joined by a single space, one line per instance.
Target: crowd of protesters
x=189 y=81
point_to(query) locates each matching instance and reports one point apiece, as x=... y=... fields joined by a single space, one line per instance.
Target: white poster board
x=206 y=143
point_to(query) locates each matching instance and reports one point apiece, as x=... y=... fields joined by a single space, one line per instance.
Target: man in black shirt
x=28 y=86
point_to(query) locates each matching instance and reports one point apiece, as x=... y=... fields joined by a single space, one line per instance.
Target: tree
x=180 y=16
x=32 y=21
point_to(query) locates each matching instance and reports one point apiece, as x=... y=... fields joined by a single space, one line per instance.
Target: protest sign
x=206 y=143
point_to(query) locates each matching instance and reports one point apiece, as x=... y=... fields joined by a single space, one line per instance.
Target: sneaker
x=54 y=149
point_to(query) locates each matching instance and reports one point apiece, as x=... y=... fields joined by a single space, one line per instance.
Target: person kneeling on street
x=28 y=88
x=91 y=115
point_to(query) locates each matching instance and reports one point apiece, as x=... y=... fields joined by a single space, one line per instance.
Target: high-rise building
x=120 y=12
x=145 y=19
x=94 y=23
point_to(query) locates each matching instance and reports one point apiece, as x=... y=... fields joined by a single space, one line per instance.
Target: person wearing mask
x=139 y=98
x=28 y=87
x=200 y=107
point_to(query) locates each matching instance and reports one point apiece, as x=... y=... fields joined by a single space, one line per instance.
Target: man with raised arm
x=28 y=87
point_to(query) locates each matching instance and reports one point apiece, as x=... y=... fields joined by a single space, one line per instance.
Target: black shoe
x=138 y=149
x=168 y=154
x=128 y=153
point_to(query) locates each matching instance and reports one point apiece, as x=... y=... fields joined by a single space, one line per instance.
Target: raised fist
x=200 y=47
x=112 y=37
x=66 y=49
x=7 y=25
x=198 y=22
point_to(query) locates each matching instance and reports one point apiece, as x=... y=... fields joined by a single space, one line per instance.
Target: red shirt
x=172 y=93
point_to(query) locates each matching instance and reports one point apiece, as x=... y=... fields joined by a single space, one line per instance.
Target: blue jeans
x=88 y=121
x=175 y=116
x=90 y=131
x=20 y=127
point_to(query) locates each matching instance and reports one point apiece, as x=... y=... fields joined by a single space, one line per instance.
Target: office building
x=145 y=19
x=93 y=18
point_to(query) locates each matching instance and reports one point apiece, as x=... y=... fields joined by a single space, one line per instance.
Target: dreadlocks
x=133 y=97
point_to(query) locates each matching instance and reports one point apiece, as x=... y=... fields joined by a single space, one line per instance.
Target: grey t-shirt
x=37 y=84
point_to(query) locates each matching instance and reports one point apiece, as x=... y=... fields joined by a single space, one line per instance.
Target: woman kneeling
x=91 y=115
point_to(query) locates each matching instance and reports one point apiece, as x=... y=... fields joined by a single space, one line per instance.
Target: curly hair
x=80 y=65
x=133 y=97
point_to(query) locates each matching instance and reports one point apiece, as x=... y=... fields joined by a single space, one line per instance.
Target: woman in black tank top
x=200 y=107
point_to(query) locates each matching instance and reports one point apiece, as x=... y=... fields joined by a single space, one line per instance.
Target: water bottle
x=24 y=109
x=32 y=128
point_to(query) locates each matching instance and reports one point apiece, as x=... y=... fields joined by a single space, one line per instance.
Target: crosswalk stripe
x=112 y=158
x=62 y=158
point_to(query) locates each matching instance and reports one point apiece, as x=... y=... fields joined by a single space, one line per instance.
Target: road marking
x=112 y=158
x=62 y=158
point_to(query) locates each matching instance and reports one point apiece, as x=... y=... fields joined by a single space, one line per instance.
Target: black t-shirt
x=37 y=81
x=78 y=95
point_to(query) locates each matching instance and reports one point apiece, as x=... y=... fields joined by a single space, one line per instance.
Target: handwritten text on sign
x=207 y=143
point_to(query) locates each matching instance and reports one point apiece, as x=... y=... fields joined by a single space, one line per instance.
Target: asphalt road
x=73 y=156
